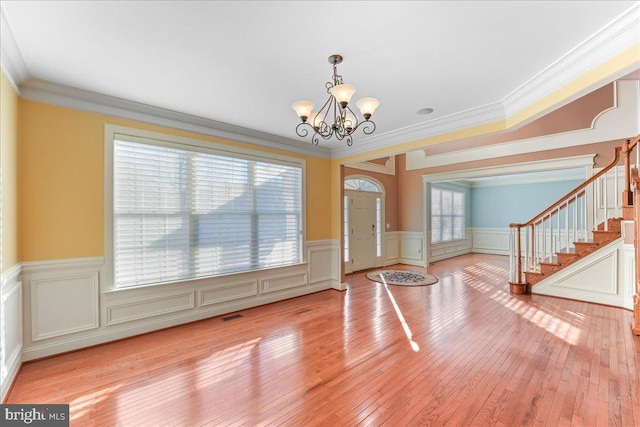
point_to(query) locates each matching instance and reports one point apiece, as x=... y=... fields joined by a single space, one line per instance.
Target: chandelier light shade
x=335 y=118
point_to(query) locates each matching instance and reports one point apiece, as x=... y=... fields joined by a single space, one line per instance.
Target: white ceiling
x=245 y=63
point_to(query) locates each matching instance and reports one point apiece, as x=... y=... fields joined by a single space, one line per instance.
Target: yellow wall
x=61 y=172
x=61 y=181
x=9 y=170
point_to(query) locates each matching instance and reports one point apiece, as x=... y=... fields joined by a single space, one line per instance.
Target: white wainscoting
x=64 y=304
x=324 y=263
x=628 y=275
x=489 y=240
x=391 y=248
x=440 y=251
x=602 y=277
x=412 y=248
x=68 y=305
x=11 y=331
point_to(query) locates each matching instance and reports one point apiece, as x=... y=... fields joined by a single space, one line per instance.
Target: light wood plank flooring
x=461 y=352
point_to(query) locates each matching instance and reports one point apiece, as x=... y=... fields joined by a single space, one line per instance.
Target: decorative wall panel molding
x=283 y=282
x=490 y=240
x=440 y=251
x=391 y=248
x=228 y=292
x=599 y=277
x=412 y=248
x=66 y=309
x=628 y=275
x=11 y=321
x=64 y=305
x=324 y=258
x=150 y=307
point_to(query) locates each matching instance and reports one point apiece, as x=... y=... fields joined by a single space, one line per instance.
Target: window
x=362 y=184
x=378 y=227
x=183 y=212
x=447 y=215
x=346 y=229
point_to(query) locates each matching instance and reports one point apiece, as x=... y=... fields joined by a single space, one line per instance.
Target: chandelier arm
x=368 y=127
x=301 y=130
x=324 y=128
x=355 y=116
x=315 y=139
x=349 y=140
x=329 y=86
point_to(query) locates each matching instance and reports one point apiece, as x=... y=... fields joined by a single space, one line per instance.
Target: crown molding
x=586 y=161
x=469 y=118
x=619 y=35
x=565 y=175
x=66 y=96
x=389 y=168
x=615 y=123
x=10 y=57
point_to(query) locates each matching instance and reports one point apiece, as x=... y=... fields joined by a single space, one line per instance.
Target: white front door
x=362 y=220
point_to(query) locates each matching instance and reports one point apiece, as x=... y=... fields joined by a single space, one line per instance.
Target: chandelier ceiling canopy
x=335 y=118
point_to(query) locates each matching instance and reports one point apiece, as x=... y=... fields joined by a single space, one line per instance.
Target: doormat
x=402 y=278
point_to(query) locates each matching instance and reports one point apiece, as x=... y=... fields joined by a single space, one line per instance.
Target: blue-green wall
x=499 y=206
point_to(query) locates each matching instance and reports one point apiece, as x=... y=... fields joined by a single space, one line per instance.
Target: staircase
x=580 y=249
x=585 y=220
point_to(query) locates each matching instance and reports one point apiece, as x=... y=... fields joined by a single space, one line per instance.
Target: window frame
x=113 y=132
x=431 y=216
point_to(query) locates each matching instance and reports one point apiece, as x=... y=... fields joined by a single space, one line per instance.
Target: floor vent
x=233 y=316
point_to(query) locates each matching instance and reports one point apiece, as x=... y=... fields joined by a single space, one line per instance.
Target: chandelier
x=335 y=118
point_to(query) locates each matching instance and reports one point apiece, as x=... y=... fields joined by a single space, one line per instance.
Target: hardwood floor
x=461 y=352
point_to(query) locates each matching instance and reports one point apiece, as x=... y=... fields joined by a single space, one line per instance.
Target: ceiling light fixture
x=335 y=118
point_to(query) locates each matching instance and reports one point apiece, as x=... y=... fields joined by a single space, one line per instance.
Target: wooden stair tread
x=580 y=249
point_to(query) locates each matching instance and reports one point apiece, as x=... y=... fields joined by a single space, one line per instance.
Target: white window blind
x=184 y=213
x=447 y=215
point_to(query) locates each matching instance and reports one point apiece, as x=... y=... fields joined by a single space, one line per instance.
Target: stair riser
x=602 y=238
x=547 y=269
x=582 y=249
x=567 y=259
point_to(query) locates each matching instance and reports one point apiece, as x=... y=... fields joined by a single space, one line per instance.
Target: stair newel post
x=533 y=247
x=566 y=227
x=635 y=327
x=517 y=286
x=605 y=212
x=627 y=194
x=575 y=219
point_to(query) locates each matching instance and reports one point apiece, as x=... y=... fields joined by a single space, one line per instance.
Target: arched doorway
x=363 y=227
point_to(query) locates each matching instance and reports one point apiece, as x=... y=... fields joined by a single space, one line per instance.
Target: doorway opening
x=363 y=228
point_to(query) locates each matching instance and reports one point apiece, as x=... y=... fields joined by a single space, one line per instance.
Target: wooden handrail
x=614 y=162
x=532 y=261
x=627 y=148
